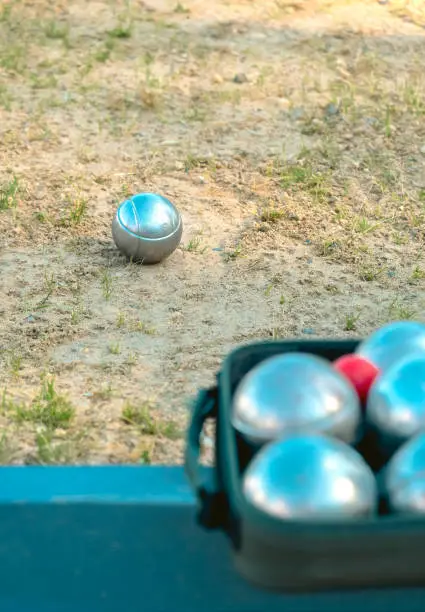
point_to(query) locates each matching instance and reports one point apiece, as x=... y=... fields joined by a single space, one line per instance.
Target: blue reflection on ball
x=147 y=228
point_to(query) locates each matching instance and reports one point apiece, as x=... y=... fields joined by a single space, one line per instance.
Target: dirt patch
x=291 y=137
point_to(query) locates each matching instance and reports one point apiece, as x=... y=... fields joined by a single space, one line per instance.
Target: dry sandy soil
x=291 y=136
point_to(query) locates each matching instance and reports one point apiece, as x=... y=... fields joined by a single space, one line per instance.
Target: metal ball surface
x=404 y=478
x=293 y=393
x=391 y=342
x=310 y=477
x=396 y=403
x=147 y=228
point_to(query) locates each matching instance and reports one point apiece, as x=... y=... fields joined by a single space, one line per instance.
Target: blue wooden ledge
x=123 y=539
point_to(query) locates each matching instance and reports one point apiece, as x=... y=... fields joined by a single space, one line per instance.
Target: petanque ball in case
x=405 y=478
x=293 y=393
x=385 y=346
x=311 y=477
x=147 y=228
x=395 y=409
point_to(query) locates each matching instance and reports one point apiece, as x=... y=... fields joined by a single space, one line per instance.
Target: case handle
x=211 y=502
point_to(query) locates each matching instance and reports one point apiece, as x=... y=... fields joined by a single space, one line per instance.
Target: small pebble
x=371 y=120
x=240 y=78
x=297 y=113
x=331 y=109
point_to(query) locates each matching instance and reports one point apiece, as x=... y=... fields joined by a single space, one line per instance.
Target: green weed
x=49 y=408
x=9 y=194
x=141 y=417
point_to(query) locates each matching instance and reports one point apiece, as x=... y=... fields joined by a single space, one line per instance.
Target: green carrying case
x=288 y=556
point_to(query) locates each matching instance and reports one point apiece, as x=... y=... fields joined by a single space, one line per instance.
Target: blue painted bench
x=124 y=539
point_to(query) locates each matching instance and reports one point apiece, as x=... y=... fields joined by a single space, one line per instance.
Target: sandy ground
x=291 y=136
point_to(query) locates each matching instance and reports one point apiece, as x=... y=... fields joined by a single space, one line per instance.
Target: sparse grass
x=105 y=393
x=233 y=253
x=56 y=31
x=145 y=457
x=78 y=209
x=40 y=81
x=398 y=310
x=418 y=273
x=13 y=59
x=413 y=96
x=351 y=320
x=49 y=286
x=6 y=12
x=328 y=247
x=15 y=364
x=303 y=176
x=52 y=452
x=121 y=319
x=388 y=122
x=5 y=97
x=75 y=316
x=143 y=327
x=8 y=449
x=131 y=359
x=123 y=28
x=9 y=194
x=271 y=213
x=192 y=161
x=195 y=245
x=107 y=284
x=49 y=408
x=362 y=225
x=115 y=348
x=141 y=416
x=276 y=281
x=103 y=54
x=180 y=8
x=369 y=272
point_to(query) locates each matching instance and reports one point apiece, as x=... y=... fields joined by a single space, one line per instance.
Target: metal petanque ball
x=147 y=228
x=295 y=393
x=395 y=408
x=310 y=477
x=391 y=342
x=404 y=478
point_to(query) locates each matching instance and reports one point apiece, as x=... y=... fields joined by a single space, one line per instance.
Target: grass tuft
x=9 y=194
x=49 y=408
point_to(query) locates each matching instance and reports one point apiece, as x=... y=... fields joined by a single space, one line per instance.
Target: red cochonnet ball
x=359 y=371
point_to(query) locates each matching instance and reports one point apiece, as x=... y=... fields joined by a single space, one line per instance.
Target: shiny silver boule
x=395 y=407
x=292 y=393
x=147 y=228
x=387 y=345
x=311 y=477
x=404 y=478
